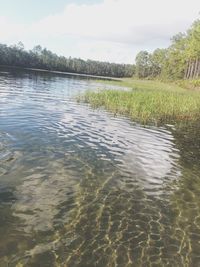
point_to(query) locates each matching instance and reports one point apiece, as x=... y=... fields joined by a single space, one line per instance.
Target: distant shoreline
x=64 y=73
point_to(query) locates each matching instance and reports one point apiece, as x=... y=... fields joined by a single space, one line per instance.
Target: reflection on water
x=79 y=187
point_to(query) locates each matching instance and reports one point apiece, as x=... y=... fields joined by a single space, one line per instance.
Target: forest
x=181 y=60
x=43 y=58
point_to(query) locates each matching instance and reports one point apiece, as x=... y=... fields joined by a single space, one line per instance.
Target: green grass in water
x=153 y=103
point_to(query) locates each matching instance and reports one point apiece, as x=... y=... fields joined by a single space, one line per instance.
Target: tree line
x=181 y=60
x=43 y=58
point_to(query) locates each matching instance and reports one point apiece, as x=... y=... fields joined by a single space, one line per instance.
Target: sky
x=106 y=30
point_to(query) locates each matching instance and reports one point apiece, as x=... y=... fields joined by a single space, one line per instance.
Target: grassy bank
x=190 y=84
x=147 y=101
x=155 y=84
x=144 y=84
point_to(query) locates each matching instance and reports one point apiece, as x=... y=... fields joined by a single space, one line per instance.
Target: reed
x=148 y=103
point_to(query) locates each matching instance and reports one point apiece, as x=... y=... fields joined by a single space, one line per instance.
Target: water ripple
x=79 y=187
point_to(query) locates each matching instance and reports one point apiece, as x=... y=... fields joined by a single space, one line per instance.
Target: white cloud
x=126 y=21
x=10 y=30
x=110 y=27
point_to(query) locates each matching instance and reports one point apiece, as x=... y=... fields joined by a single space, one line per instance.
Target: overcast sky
x=108 y=30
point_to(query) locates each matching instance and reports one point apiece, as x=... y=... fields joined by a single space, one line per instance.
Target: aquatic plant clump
x=148 y=105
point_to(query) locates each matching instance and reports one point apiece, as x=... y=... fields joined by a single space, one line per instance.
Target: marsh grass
x=189 y=84
x=144 y=84
x=150 y=103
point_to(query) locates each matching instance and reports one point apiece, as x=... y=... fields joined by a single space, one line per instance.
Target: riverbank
x=147 y=101
x=99 y=78
x=154 y=84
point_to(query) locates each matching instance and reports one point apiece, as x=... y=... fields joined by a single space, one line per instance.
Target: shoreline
x=64 y=73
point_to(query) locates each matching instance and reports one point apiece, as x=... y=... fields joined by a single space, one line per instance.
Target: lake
x=81 y=187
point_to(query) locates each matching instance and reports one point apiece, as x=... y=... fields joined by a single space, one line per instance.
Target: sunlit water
x=79 y=187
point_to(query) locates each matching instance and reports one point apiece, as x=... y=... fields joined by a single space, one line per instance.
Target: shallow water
x=79 y=187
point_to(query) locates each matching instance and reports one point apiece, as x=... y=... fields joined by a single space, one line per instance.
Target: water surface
x=79 y=187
